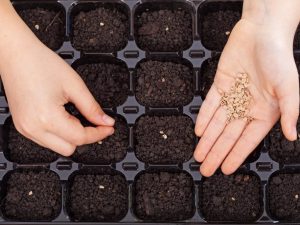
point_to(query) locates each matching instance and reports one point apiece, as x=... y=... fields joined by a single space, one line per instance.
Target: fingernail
x=108 y=120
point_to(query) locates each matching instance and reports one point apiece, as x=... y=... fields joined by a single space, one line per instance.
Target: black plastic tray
x=131 y=110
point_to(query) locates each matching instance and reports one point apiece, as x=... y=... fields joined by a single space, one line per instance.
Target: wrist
x=16 y=39
x=278 y=15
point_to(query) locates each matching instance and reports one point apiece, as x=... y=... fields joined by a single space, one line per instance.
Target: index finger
x=70 y=129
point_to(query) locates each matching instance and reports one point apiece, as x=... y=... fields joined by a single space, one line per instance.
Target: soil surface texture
x=24 y=151
x=164 y=30
x=164 y=196
x=109 y=83
x=32 y=196
x=48 y=25
x=217 y=23
x=164 y=139
x=102 y=29
x=284 y=196
x=98 y=198
x=230 y=198
x=281 y=149
x=164 y=84
x=208 y=72
x=110 y=150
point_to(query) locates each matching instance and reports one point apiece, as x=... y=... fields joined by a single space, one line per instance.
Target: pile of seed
x=237 y=99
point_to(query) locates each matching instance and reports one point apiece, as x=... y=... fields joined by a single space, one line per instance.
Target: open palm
x=268 y=60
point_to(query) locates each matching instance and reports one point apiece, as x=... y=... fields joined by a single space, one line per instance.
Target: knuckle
x=94 y=108
x=24 y=128
x=229 y=136
x=206 y=139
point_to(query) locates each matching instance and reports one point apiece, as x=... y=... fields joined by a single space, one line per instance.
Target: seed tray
x=195 y=55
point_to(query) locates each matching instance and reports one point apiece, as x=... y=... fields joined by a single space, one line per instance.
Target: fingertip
x=289 y=130
x=226 y=170
x=198 y=130
x=108 y=120
x=206 y=172
x=197 y=155
x=111 y=131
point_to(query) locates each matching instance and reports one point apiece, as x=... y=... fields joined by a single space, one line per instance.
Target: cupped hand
x=267 y=57
x=38 y=83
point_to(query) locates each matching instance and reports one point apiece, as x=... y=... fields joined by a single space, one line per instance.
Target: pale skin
x=261 y=45
x=38 y=83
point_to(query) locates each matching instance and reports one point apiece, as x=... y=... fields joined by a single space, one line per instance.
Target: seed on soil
x=43 y=201
x=232 y=198
x=88 y=37
x=47 y=24
x=283 y=197
x=100 y=142
x=169 y=139
x=216 y=21
x=87 y=203
x=163 y=30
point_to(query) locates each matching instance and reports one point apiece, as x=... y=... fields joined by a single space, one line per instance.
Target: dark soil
x=32 y=196
x=284 y=197
x=297 y=39
x=102 y=29
x=164 y=196
x=98 y=198
x=281 y=149
x=164 y=139
x=231 y=198
x=208 y=72
x=164 y=30
x=109 y=83
x=164 y=84
x=48 y=25
x=217 y=22
x=110 y=150
x=24 y=151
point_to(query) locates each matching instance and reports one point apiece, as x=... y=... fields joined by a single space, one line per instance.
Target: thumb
x=288 y=96
x=78 y=93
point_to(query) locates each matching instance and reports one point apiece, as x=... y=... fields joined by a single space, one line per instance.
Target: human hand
x=267 y=57
x=38 y=85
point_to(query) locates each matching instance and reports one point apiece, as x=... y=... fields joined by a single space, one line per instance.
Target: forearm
x=280 y=15
x=15 y=36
